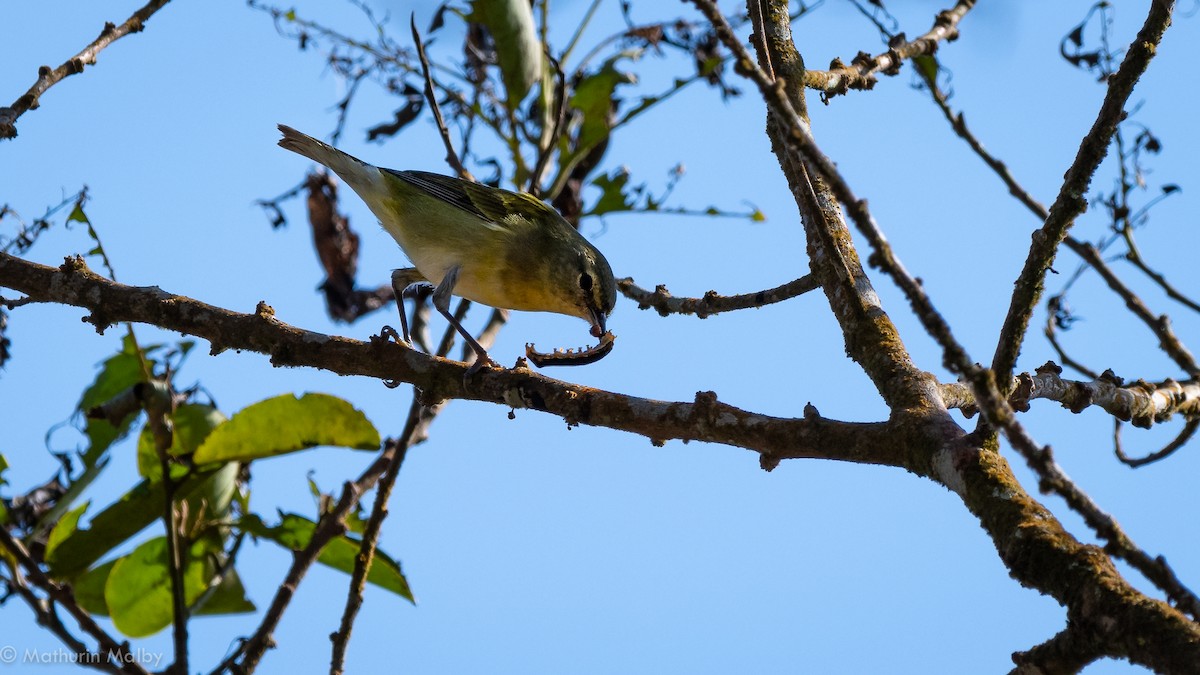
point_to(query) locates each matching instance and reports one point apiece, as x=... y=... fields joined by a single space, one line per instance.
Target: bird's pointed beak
x=598 y=327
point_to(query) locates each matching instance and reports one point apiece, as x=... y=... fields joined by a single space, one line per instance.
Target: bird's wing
x=491 y=204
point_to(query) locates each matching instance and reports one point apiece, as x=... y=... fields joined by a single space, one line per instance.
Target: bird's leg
x=405 y=283
x=441 y=302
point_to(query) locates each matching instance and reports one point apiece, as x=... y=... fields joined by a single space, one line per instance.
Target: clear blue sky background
x=534 y=548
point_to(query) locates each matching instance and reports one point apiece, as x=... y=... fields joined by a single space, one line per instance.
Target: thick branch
x=1066 y=653
x=48 y=78
x=706 y=419
x=712 y=303
x=1071 y=200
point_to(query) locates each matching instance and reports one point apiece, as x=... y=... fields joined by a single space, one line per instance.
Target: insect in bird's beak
x=573 y=357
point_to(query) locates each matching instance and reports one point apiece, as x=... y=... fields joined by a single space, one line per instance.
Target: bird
x=504 y=249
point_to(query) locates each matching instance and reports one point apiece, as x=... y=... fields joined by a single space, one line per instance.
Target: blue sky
x=535 y=548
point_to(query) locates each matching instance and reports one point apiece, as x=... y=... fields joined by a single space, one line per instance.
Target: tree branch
x=860 y=74
x=706 y=419
x=712 y=303
x=48 y=78
x=1071 y=201
x=1142 y=402
x=1067 y=653
x=109 y=647
x=970 y=476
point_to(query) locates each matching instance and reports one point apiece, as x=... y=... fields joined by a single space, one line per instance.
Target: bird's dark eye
x=585 y=281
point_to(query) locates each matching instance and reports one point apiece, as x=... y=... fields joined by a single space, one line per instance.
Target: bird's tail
x=351 y=169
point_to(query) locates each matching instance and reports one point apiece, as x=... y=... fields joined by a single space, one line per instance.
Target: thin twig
x=416 y=427
x=983 y=381
x=712 y=303
x=1169 y=342
x=48 y=618
x=48 y=78
x=1071 y=200
x=1185 y=435
x=1160 y=325
x=860 y=74
x=64 y=597
x=451 y=156
x=1134 y=257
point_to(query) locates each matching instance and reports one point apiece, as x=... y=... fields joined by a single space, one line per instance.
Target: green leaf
x=65 y=527
x=595 y=98
x=89 y=589
x=510 y=23
x=119 y=521
x=191 y=424
x=286 y=424
x=138 y=589
x=117 y=374
x=228 y=598
x=77 y=215
x=613 y=196
x=927 y=65
x=295 y=532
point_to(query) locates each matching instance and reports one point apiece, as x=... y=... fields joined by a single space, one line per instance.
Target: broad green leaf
x=191 y=424
x=613 y=196
x=117 y=374
x=228 y=598
x=119 y=521
x=65 y=527
x=286 y=424
x=510 y=23
x=138 y=589
x=595 y=98
x=295 y=532
x=89 y=589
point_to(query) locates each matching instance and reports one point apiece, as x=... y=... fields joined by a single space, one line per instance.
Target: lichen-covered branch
x=48 y=77
x=712 y=302
x=1072 y=200
x=1143 y=403
x=860 y=74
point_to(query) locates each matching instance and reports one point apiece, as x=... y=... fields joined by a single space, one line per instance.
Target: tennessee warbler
x=505 y=249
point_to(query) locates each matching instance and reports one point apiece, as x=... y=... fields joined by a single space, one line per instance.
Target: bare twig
x=982 y=381
x=420 y=417
x=451 y=156
x=1135 y=257
x=48 y=78
x=1160 y=325
x=713 y=303
x=47 y=617
x=109 y=647
x=1185 y=435
x=1071 y=200
x=1169 y=342
x=860 y=74
x=398 y=449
